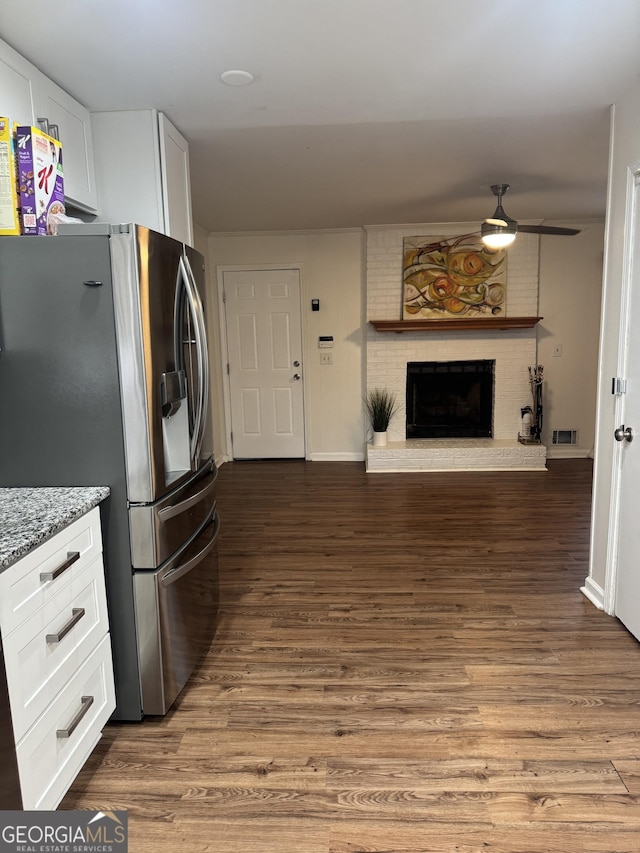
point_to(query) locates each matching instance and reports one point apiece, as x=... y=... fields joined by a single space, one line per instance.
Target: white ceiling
x=362 y=111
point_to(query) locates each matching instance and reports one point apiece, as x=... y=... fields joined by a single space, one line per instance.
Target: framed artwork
x=447 y=277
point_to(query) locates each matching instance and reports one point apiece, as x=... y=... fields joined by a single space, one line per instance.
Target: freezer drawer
x=158 y=530
x=176 y=611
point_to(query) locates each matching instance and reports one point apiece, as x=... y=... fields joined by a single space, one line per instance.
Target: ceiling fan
x=500 y=230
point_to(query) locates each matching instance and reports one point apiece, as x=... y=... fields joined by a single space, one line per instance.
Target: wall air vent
x=565 y=436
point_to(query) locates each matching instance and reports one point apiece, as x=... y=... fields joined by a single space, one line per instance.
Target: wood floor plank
x=403 y=664
x=551 y=718
x=240 y=836
x=507 y=776
x=563 y=809
x=375 y=837
x=629 y=771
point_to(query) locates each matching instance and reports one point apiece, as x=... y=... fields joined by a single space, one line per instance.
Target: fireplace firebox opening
x=450 y=399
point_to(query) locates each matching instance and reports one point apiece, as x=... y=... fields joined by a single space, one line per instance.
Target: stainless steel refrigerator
x=104 y=376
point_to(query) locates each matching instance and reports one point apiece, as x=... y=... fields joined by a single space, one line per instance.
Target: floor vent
x=565 y=436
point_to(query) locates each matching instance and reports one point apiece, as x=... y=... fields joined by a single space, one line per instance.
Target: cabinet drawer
x=48 y=761
x=45 y=651
x=22 y=591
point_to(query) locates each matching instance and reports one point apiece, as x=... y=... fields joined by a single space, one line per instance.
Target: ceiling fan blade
x=549 y=229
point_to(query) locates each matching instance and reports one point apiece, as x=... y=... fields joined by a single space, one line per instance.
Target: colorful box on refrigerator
x=9 y=217
x=40 y=179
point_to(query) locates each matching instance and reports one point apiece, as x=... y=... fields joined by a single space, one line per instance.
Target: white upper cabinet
x=17 y=86
x=74 y=131
x=26 y=96
x=176 y=181
x=127 y=160
x=142 y=171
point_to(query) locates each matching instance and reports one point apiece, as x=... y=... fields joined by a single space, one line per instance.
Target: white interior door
x=264 y=344
x=627 y=597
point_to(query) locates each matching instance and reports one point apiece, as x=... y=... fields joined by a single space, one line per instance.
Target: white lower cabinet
x=54 y=749
x=57 y=648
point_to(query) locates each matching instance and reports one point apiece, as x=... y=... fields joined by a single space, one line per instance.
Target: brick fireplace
x=511 y=351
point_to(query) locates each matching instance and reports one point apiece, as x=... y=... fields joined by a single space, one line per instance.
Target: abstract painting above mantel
x=447 y=277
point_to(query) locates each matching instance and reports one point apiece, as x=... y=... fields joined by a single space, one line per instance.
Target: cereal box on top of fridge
x=9 y=218
x=40 y=179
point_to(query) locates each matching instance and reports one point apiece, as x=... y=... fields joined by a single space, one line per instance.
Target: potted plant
x=381 y=407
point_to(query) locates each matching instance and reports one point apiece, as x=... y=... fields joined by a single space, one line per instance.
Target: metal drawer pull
x=72 y=557
x=77 y=614
x=87 y=702
x=175 y=509
x=175 y=574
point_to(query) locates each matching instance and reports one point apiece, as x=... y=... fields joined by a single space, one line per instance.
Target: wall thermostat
x=325 y=341
x=315 y=304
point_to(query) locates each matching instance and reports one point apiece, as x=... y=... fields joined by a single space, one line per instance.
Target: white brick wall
x=513 y=350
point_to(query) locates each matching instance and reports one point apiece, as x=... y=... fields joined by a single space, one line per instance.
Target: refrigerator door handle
x=175 y=509
x=183 y=569
x=203 y=367
x=197 y=312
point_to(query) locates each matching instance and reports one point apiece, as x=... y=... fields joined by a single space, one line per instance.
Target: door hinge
x=618 y=386
x=224 y=297
x=228 y=371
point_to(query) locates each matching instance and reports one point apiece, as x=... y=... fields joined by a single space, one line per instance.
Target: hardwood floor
x=404 y=663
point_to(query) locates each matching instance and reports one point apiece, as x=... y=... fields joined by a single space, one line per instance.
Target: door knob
x=623 y=433
x=297 y=376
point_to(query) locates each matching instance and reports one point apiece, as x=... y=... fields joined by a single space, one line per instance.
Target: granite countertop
x=28 y=517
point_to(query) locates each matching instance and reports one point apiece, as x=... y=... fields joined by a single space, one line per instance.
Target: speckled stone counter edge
x=30 y=516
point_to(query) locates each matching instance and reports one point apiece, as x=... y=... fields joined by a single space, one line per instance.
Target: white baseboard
x=312 y=457
x=593 y=592
x=336 y=457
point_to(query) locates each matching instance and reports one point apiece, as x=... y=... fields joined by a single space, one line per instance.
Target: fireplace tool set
x=532 y=415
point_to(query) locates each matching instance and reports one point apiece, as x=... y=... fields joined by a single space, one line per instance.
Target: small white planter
x=379 y=439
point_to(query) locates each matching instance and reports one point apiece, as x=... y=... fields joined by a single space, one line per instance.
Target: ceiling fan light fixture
x=497 y=236
x=499 y=231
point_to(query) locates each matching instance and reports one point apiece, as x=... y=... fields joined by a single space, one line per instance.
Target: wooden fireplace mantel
x=474 y=323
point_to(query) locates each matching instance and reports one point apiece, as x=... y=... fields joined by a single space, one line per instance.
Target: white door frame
x=631 y=217
x=221 y=269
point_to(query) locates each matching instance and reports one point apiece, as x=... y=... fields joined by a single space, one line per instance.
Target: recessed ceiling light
x=236 y=78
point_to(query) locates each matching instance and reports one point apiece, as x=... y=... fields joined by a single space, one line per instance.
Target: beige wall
x=569 y=302
x=331 y=265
